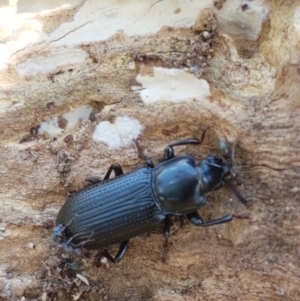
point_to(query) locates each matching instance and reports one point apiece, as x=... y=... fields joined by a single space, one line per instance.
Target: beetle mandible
x=115 y=210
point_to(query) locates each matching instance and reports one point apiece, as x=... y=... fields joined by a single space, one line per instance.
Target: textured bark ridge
x=160 y=71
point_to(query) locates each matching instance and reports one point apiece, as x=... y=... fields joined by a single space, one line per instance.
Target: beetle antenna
x=239 y=196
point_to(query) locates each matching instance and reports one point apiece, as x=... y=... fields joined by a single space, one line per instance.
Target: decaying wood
x=254 y=104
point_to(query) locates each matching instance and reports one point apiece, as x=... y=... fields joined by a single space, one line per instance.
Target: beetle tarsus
x=167 y=226
x=195 y=219
x=141 y=154
x=93 y=180
x=121 y=252
x=169 y=151
x=116 y=168
x=81 y=244
x=243 y=216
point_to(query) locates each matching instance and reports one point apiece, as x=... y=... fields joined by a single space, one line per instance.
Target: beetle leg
x=116 y=168
x=71 y=238
x=141 y=155
x=81 y=243
x=169 y=151
x=195 y=219
x=58 y=234
x=167 y=225
x=93 y=180
x=121 y=252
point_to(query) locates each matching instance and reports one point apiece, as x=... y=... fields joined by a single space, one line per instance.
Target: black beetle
x=115 y=210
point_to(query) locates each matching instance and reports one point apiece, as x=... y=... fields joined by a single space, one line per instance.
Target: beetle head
x=216 y=172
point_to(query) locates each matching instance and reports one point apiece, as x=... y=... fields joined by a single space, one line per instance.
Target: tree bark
x=176 y=67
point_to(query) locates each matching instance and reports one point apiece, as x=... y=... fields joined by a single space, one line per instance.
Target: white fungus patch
x=51 y=126
x=118 y=134
x=42 y=64
x=81 y=114
x=297 y=20
x=173 y=85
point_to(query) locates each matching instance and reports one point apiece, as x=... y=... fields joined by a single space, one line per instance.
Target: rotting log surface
x=247 y=259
